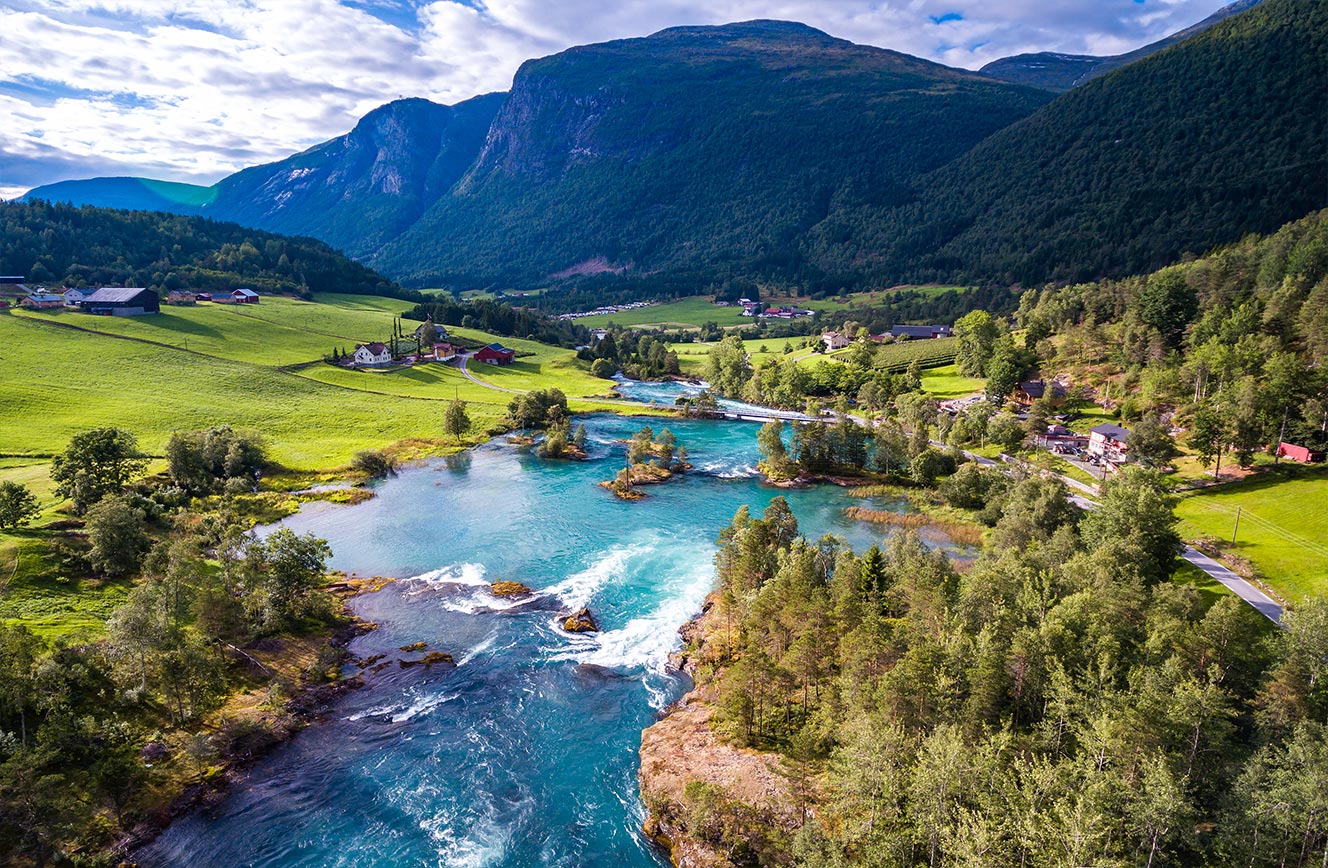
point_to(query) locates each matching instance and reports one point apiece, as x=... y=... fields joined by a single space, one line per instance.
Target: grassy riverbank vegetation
x=149 y=642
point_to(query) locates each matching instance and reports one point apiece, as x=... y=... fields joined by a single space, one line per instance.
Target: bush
x=604 y=369
x=374 y=464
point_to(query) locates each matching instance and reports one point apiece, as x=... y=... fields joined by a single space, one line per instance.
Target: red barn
x=245 y=296
x=495 y=354
x=1302 y=454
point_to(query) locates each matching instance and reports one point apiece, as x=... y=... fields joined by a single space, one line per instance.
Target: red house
x=245 y=296
x=495 y=354
x=1302 y=454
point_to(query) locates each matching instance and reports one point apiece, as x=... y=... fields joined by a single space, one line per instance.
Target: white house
x=372 y=355
x=75 y=297
x=1108 y=441
x=835 y=341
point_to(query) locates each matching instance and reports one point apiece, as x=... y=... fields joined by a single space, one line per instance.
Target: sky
x=192 y=90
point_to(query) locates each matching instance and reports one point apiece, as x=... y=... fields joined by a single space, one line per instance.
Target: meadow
x=691 y=312
x=1283 y=529
x=255 y=366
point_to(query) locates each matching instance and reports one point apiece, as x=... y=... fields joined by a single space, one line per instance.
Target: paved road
x=1241 y=587
x=477 y=381
x=1262 y=603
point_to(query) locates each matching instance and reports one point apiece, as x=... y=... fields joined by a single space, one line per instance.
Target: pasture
x=1283 y=528
x=692 y=312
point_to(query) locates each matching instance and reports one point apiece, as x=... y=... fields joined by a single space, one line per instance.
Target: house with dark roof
x=495 y=354
x=925 y=332
x=1029 y=391
x=373 y=355
x=122 y=301
x=41 y=301
x=1108 y=442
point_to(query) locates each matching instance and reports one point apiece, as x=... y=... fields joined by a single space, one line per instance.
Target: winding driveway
x=477 y=381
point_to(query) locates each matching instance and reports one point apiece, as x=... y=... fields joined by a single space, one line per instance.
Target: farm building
x=445 y=352
x=372 y=355
x=181 y=296
x=244 y=296
x=75 y=297
x=1303 y=454
x=122 y=301
x=921 y=331
x=1108 y=441
x=835 y=341
x=495 y=354
x=41 y=301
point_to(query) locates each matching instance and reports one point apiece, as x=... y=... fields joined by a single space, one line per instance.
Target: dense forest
x=692 y=149
x=1195 y=146
x=1228 y=348
x=85 y=246
x=1059 y=703
x=499 y=318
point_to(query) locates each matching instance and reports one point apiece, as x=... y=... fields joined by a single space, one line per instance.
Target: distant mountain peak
x=1058 y=72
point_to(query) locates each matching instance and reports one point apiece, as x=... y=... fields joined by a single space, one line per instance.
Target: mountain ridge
x=1059 y=72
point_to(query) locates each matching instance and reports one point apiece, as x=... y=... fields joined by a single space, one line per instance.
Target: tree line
x=1061 y=702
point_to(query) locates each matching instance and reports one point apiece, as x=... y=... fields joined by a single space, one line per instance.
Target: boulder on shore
x=581 y=621
x=510 y=589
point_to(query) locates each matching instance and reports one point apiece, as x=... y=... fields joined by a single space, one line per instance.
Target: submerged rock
x=581 y=621
x=427 y=660
x=510 y=589
x=415 y=646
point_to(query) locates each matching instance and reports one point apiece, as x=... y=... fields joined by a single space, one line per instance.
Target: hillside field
x=1283 y=526
x=252 y=367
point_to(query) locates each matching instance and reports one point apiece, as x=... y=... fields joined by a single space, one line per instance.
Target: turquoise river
x=525 y=752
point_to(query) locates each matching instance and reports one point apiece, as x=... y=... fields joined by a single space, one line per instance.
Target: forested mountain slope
x=705 y=149
x=1193 y=147
x=1058 y=72
x=97 y=246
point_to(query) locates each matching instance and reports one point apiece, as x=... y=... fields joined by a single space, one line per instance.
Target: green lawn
x=1283 y=526
x=946 y=382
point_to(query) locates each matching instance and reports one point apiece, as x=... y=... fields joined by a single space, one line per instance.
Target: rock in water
x=581 y=621
x=510 y=589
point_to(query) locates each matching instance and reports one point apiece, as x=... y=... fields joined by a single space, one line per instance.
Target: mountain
x=364 y=188
x=1222 y=135
x=770 y=152
x=87 y=246
x=354 y=192
x=132 y=194
x=1060 y=72
x=696 y=152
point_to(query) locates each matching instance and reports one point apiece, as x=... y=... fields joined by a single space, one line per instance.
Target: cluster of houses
x=124 y=300
x=380 y=355
x=755 y=309
x=839 y=340
x=607 y=309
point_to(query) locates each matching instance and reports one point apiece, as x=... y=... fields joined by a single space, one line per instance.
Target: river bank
x=525 y=752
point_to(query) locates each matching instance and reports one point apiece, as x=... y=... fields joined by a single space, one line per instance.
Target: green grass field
x=946 y=382
x=690 y=312
x=1283 y=526
x=136 y=373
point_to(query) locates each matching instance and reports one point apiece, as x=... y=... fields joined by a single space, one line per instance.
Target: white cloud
x=195 y=89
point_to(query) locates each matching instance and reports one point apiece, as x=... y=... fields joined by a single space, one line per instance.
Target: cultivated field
x=1283 y=526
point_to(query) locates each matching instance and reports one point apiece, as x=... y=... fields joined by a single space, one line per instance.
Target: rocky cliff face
x=684 y=762
x=362 y=189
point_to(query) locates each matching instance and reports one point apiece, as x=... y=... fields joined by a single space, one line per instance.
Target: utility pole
x=1236 y=527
